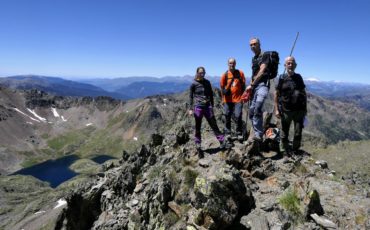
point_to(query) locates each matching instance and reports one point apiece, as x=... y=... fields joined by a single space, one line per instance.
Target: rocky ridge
x=166 y=186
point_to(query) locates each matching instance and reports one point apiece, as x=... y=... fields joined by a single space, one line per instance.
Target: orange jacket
x=236 y=88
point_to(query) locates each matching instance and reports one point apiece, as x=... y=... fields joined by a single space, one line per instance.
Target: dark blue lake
x=57 y=171
x=102 y=158
x=53 y=171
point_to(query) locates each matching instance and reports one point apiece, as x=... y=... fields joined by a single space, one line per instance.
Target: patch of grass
x=189 y=177
x=101 y=142
x=73 y=183
x=85 y=166
x=116 y=119
x=45 y=136
x=155 y=172
x=360 y=219
x=32 y=161
x=185 y=208
x=336 y=179
x=346 y=156
x=22 y=196
x=300 y=169
x=172 y=175
x=291 y=203
x=73 y=138
x=170 y=218
x=4 y=210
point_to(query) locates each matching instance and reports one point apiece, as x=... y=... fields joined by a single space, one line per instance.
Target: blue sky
x=111 y=38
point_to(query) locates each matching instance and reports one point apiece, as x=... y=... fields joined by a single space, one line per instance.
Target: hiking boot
x=229 y=145
x=286 y=159
x=291 y=155
x=200 y=154
x=198 y=147
x=258 y=139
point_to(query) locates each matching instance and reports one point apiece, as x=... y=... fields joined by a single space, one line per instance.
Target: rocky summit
x=165 y=185
x=159 y=180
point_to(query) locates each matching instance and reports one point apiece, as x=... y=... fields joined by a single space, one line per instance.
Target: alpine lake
x=57 y=171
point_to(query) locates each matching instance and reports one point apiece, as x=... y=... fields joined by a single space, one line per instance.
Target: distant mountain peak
x=312 y=79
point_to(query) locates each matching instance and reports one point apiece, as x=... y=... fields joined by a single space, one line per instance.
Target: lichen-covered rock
x=220 y=193
x=313 y=204
x=163 y=191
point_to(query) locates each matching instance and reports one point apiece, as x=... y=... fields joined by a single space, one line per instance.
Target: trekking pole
x=291 y=51
x=290 y=54
x=247 y=133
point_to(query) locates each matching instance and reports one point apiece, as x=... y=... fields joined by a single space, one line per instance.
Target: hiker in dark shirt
x=290 y=105
x=260 y=87
x=201 y=104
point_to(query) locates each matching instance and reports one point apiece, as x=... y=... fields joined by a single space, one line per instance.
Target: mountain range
x=139 y=87
x=57 y=86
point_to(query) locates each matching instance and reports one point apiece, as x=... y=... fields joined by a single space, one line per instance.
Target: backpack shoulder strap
x=237 y=74
x=226 y=77
x=281 y=78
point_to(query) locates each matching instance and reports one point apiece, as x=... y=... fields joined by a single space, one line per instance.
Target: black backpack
x=273 y=63
x=225 y=91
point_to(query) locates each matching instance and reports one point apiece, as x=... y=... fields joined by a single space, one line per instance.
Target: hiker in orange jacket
x=232 y=87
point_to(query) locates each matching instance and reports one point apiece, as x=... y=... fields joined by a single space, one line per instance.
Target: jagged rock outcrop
x=166 y=186
x=175 y=191
x=37 y=98
x=5 y=113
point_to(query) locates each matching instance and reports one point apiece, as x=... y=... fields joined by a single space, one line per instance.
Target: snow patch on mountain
x=26 y=115
x=36 y=115
x=312 y=79
x=61 y=202
x=55 y=113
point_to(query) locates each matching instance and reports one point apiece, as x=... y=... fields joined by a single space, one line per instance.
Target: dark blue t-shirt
x=257 y=61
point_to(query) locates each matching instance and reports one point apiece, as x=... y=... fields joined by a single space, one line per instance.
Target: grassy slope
x=345 y=156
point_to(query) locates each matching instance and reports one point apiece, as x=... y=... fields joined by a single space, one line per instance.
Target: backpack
x=271 y=139
x=273 y=63
x=225 y=91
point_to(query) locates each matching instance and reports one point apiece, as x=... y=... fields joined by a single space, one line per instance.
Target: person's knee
x=258 y=108
x=257 y=113
x=251 y=112
x=238 y=116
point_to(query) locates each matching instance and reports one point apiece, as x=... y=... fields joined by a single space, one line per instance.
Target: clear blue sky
x=111 y=38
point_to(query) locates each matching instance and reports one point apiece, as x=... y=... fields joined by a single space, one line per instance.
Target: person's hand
x=190 y=112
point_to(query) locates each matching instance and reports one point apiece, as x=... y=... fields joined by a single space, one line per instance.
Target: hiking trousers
x=255 y=109
x=207 y=112
x=287 y=117
x=236 y=109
